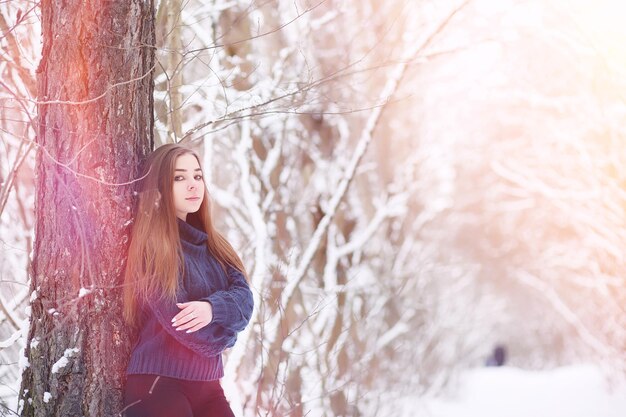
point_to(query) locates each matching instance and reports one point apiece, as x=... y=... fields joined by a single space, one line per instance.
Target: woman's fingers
x=196 y=327
x=188 y=312
x=193 y=316
x=183 y=317
x=193 y=325
x=189 y=324
x=186 y=318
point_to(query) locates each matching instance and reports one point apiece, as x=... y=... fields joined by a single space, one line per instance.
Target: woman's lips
x=193 y=198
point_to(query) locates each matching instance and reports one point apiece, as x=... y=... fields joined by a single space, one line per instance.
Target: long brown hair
x=155 y=258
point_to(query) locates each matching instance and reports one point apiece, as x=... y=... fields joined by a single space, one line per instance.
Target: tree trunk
x=94 y=128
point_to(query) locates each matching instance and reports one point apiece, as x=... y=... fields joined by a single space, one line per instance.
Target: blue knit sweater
x=161 y=349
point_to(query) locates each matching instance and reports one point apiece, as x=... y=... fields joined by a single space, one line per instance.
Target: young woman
x=186 y=293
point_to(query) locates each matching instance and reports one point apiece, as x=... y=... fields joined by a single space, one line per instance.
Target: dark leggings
x=161 y=396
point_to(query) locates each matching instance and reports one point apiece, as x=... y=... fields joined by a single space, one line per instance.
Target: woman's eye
x=198 y=177
x=178 y=178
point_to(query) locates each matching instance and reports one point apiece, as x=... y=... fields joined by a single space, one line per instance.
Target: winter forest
x=409 y=183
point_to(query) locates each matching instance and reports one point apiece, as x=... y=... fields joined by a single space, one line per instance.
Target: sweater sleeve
x=232 y=308
x=208 y=341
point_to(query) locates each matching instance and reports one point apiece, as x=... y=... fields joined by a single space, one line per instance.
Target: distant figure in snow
x=186 y=293
x=498 y=356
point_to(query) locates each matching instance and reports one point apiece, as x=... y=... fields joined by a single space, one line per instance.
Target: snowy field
x=574 y=391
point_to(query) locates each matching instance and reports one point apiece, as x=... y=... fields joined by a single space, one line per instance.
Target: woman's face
x=188 y=188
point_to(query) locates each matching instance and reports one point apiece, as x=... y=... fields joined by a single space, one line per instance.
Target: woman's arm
x=209 y=341
x=232 y=308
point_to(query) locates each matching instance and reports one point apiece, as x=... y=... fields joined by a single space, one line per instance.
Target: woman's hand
x=193 y=316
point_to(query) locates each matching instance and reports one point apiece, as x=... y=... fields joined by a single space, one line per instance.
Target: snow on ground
x=573 y=391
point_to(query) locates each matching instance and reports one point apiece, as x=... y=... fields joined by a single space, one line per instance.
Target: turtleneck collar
x=190 y=234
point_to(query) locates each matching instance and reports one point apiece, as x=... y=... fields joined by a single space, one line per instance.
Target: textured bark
x=99 y=57
x=174 y=64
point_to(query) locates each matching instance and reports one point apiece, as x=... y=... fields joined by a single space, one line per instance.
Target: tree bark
x=95 y=126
